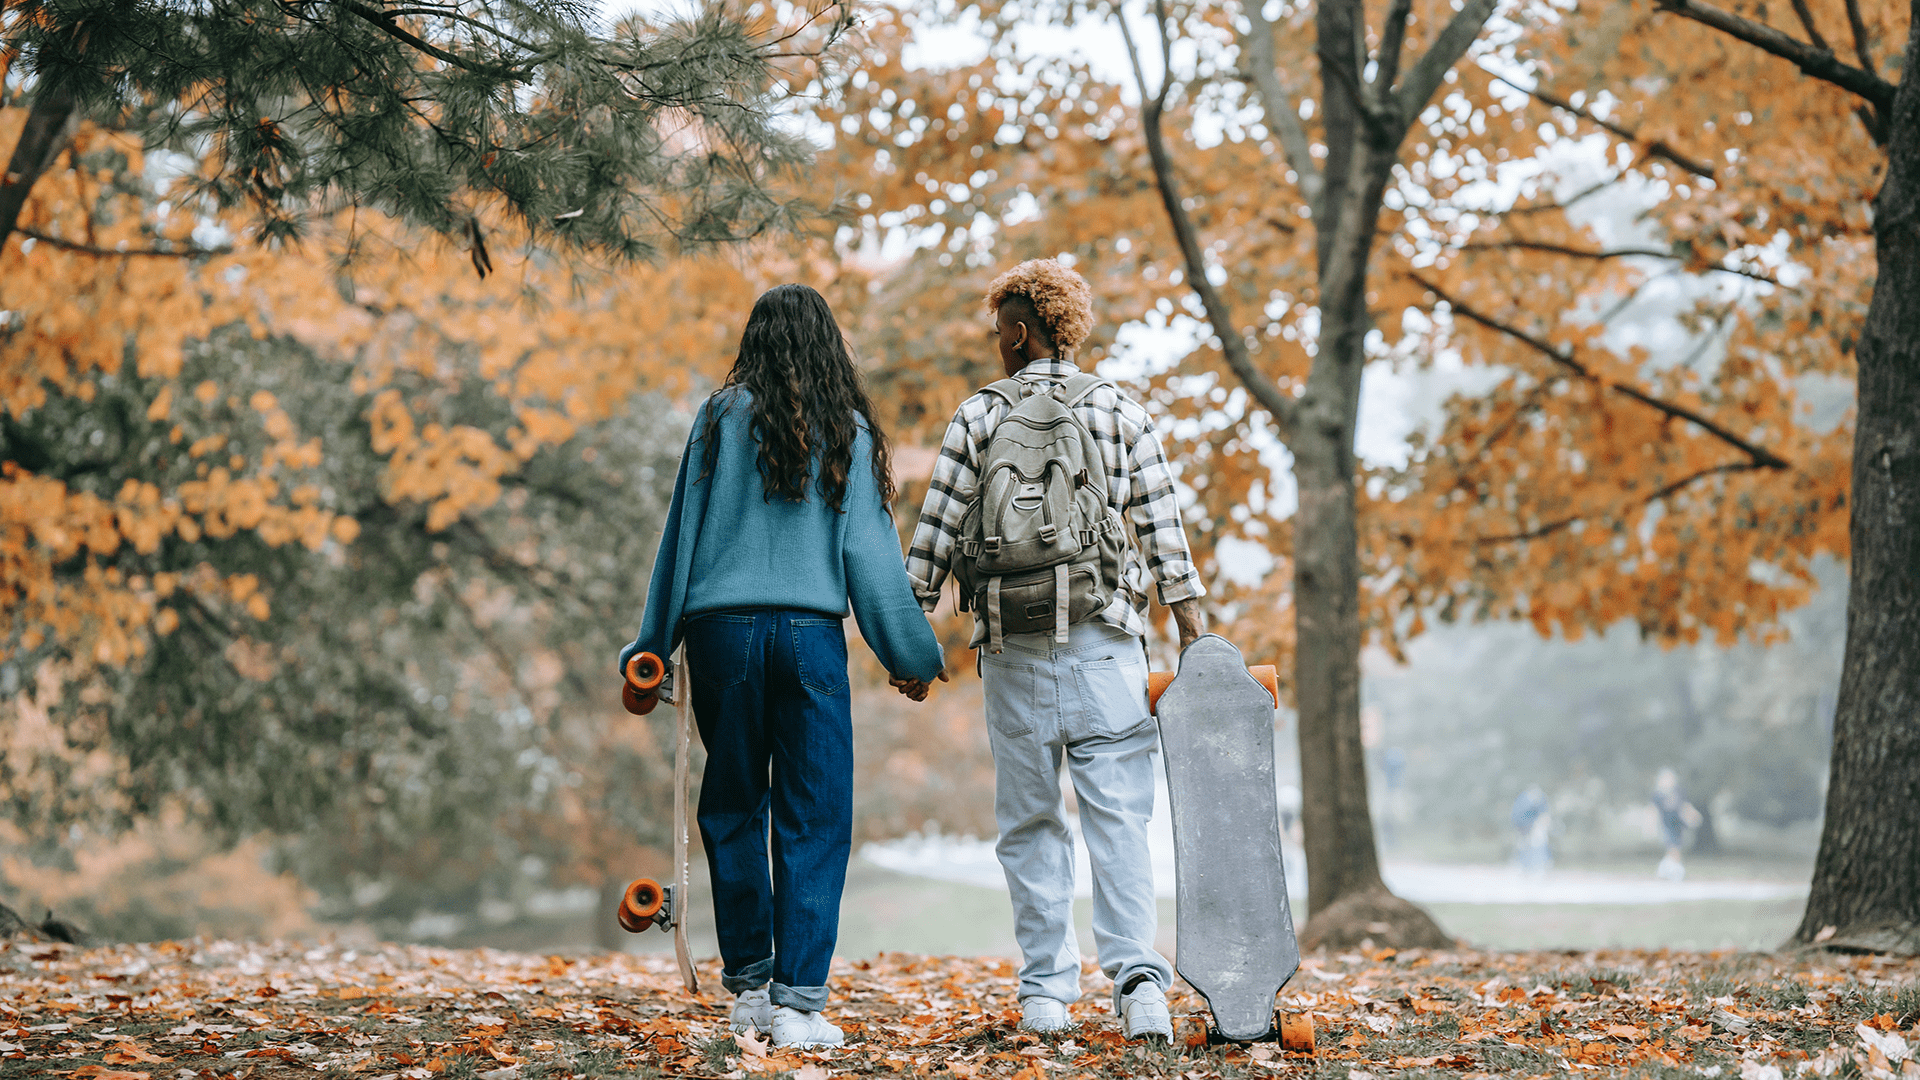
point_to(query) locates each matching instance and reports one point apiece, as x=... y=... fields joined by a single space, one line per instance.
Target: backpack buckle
x=992 y=545
x=1048 y=532
x=970 y=548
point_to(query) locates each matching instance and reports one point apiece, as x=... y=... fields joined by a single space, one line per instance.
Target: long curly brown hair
x=808 y=399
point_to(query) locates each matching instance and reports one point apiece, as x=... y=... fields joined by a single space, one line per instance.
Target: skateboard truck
x=647 y=904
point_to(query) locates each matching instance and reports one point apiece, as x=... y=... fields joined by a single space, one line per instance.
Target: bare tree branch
x=1657 y=148
x=1806 y=20
x=48 y=129
x=1281 y=115
x=1393 y=40
x=1760 y=457
x=1819 y=63
x=1233 y=345
x=1430 y=70
x=1665 y=490
x=1613 y=253
x=186 y=252
x=1861 y=47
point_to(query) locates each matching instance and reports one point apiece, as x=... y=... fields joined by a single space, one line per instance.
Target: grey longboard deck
x=1235 y=942
x=682 y=751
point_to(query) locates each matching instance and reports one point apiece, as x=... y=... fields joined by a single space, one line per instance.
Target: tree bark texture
x=49 y=127
x=1347 y=902
x=1866 y=880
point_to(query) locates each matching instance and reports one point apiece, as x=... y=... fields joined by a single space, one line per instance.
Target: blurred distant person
x=1062 y=648
x=779 y=523
x=1677 y=815
x=1533 y=822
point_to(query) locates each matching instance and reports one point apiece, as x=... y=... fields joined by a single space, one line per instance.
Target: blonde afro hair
x=1061 y=298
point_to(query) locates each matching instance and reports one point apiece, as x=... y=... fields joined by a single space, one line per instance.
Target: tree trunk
x=1866 y=881
x=1347 y=902
x=49 y=128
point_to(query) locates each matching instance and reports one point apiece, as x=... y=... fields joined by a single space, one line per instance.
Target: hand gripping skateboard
x=648 y=903
x=1235 y=942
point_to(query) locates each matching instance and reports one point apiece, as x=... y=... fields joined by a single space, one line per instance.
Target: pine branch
x=1567 y=522
x=188 y=252
x=1659 y=148
x=1233 y=345
x=1614 y=253
x=386 y=23
x=1760 y=457
x=1820 y=63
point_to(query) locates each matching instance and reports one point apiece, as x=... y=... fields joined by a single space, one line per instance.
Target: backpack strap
x=1079 y=387
x=1007 y=390
x=996 y=632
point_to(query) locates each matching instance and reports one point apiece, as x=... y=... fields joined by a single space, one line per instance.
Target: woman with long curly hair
x=780 y=522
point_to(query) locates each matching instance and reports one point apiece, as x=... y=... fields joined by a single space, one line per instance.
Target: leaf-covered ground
x=180 y=1010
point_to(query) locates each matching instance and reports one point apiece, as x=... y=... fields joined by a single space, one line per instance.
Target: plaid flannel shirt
x=1139 y=486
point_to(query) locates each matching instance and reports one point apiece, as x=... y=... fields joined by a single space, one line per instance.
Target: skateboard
x=647 y=903
x=1234 y=942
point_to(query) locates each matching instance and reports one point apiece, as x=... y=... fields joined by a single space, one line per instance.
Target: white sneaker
x=1143 y=1013
x=753 y=1011
x=798 y=1030
x=1044 y=1014
x=1671 y=869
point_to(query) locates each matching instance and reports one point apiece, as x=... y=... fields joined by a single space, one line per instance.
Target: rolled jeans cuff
x=752 y=977
x=803 y=998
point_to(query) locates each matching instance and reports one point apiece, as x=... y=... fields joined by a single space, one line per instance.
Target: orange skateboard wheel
x=635 y=702
x=1296 y=1032
x=645 y=671
x=640 y=904
x=1157 y=683
x=1269 y=678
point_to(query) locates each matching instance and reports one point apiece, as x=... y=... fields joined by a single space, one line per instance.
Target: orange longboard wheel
x=1157 y=683
x=640 y=904
x=1270 y=678
x=1296 y=1029
x=645 y=671
x=635 y=702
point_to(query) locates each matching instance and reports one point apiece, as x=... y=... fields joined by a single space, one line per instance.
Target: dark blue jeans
x=771 y=699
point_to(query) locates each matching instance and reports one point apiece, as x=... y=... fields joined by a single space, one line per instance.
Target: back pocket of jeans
x=1009 y=692
x=1113 y=693
x=820 y=655
x=718 y=649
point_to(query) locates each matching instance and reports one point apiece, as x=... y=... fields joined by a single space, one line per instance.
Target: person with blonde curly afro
x=1076 y=691
x=1041 y=309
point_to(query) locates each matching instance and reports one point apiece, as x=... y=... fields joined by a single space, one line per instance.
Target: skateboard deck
x=647 y=903
x=1235 y=942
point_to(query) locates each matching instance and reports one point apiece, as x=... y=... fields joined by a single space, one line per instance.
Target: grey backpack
x=1040 y=548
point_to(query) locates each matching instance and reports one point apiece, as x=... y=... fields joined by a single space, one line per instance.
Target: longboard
x=1234 y=940
x=647 y=903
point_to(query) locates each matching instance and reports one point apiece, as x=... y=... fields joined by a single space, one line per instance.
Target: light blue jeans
x=1084 y=703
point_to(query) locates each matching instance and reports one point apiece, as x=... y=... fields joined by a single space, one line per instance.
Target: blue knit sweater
x=727 y=546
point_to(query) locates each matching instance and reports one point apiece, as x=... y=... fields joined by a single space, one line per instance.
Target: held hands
x=915 y=688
